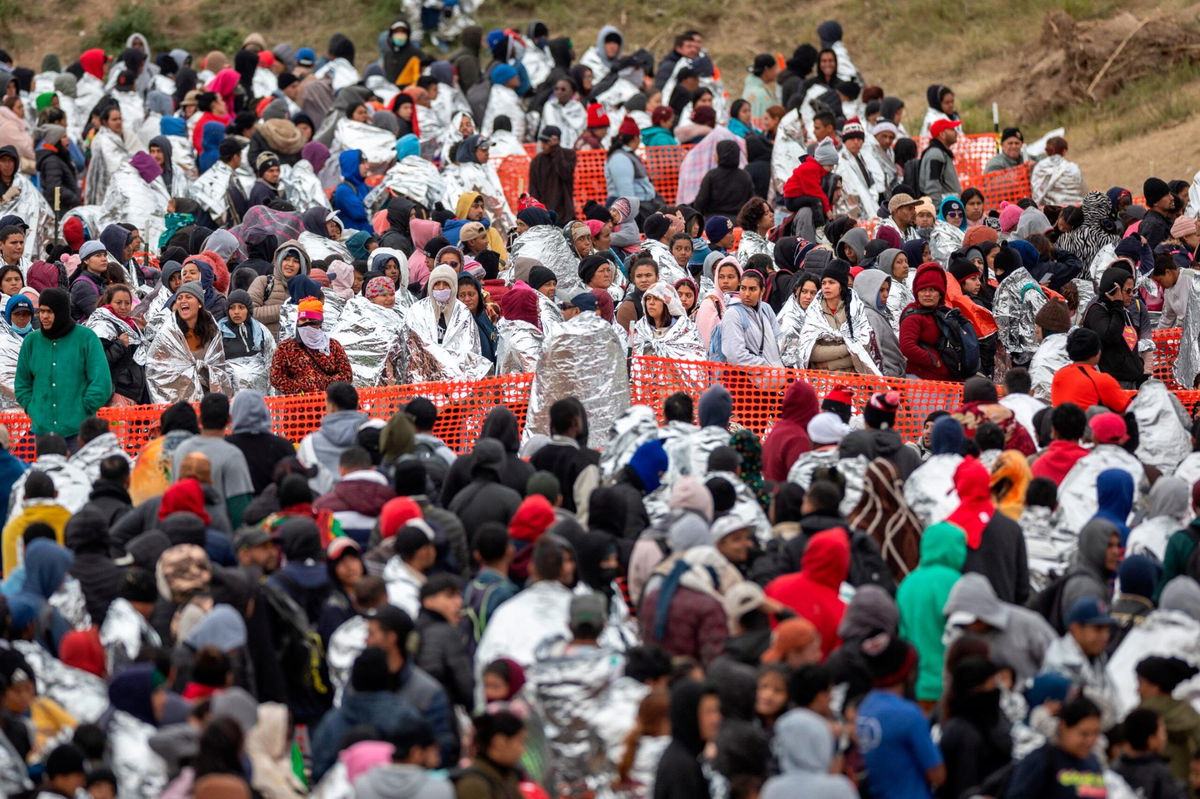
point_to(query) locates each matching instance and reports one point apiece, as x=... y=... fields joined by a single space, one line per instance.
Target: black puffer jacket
x=727 y=187
x=501 y=425
x=55 y=170
x=444 y=656
x=99 y=578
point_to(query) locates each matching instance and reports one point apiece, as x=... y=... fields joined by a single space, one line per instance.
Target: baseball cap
x=306 y=57
x=393 y=619
x=251 y=537
x=742 y=598
x=1089 y=611
x=589 y=609
x=790 y=636
x=471 y=231
x=1108 y=428
x=422 y=411
x=338 y=546
x=549 y=132
x=942 y=125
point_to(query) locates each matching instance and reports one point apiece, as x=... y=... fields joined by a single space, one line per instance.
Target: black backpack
x=958 y=343
x=1048 y=602
x=301 y=656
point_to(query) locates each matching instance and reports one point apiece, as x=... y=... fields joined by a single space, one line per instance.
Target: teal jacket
x=656 y=136
x=921 y=597
x=63 y=381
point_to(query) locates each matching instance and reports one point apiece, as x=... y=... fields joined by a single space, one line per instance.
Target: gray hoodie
x=804 y=746
x=1091 y=578
x=249 y=412
x=400 y=779
x=1181 y=594
x=866 y=286
x=1018 y=632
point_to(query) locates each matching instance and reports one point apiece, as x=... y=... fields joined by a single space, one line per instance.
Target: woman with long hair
x=643 y=747
x=836 y=332
x=664 y=329
x=121 y=338
x=625 y=173
x=186 y=359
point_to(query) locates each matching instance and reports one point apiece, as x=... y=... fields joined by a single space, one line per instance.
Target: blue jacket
x=11 y=469
x=349 y=195
x=383 y=710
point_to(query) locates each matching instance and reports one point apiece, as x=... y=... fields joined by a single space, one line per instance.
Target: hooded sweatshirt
x=349 y=195
x=502 y=425
x=1111 y=320
x=726 y=187
x=813 y=593
x=803 y=745
x=867 y=287
x=1021 y=634
x=402 y=779
x=921 y=597
x=1089 y=576
x=252 y=435
x=789 y=438
x=680 y=775
x=995 y=543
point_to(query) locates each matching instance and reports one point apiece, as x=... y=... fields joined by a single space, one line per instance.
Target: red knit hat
x=842 y=394
x=1108 y=428
x=628 y=127
x=396 y=513
x=596 y=118
x=186 y=495
x=73 y=233
x=930 y=276
x=533 y=516
x=81 y=649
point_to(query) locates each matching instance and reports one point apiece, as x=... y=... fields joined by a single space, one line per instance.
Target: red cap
x=1108 y=428
x=941 y=125
x=266 y=59
x=628 y=127
x=842 y=394
x=596 y=118
x=396 y=513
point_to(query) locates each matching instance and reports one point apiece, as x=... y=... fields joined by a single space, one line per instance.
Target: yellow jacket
x=47 y=511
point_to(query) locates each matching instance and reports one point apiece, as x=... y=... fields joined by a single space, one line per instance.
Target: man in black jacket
x=1156 y=225
x=568 y=458
x=100 y=579
x=552 y=175
x=442 y=652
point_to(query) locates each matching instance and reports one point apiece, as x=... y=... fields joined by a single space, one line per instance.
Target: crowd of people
x=612 y=600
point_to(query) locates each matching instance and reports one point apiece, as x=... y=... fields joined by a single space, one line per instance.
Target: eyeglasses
x=954 y=213
x=451 y=264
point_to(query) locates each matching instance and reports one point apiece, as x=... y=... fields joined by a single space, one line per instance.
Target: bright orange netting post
x=589 y=178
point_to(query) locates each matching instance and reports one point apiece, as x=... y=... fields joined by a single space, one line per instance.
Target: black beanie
x=1154 y=189
x=1007 y=259
x=1082 y=343
x=66 y=759
x=370 y=671
x=962 y=269
x=838 y=270
x=540 y=276
x=655 y=227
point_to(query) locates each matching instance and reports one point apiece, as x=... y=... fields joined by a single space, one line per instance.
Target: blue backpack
x=715 y=353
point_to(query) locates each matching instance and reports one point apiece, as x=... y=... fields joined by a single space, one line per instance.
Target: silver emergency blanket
x=10 y=348
x=789 y=146
x=123 y=634
x=378 y=145
x=1189 y=469
x=1049 y=547
x=930 y=490
x=253 y=371
x=211 y=190
x=860 y=342
x=751 y=245
x=699 y=446
x=680 y=341
x=31 y=206
x=81 y=693
x=88 y=91
x=900 y=297
x=373 y=338
x=321 y=247
x=1164 y=429
x=183 y=158
x=481 y=178
x=503 y=101
x=91 y=454
x=108 y=153
x=791 y=321
x=622 y=90
x=856 y=187
x=1077 y=493
x=173 y=374
x=669 y=270
x=546 y=245
x=341 y=74
x=133 y=112
x=457 y=357
x=746 y=506
x=345 y=645
x=140 y=772
x=69 y=602
x=1100 y=261
x=14 y=775
x=1051 y=356
x=801 y=472
x=413 y=177
x=518 y=347
x=133 y=201
x=565 y=687
x=570 y=118
x=633 y=427
x=944 y=239
x=550 y=316
x=289 y=309
x=1187 y=365
x=1169 y=633
x=585 y=359
x=1016 y=302
x=301 y=186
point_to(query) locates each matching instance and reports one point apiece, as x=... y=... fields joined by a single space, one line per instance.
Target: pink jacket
x=708 y=316
x=13 y=131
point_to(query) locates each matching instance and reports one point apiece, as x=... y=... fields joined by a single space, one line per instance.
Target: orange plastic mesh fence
x=1166 y=352
x=514 y=177
x=461 y=410
x=758 y=390
x=1008 y=184
x=662 y=164
x=589 y=178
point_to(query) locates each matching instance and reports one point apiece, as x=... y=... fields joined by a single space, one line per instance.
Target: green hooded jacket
x=921 y=597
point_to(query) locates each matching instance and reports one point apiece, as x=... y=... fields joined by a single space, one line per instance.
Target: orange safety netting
x=589 y=178
x=514 y=177
x=1166 y=352
x=1008 y=184
x=758 y=390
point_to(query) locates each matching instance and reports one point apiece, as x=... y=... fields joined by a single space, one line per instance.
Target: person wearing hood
x=695 y=712
x=348 y=197
x=303 y=577
x=249 y=346
x=726 y=187
x=919 y=331
x=270 y=292
x=921 y=597
x=401 y=55
x=251 y=433
x=636 y=480
x=57 y=175
x=312 y=361
x=1109 y=316
x=62 y=374
x=813 y=591
x=552 y=170
x=1100 y=544
x=1168 y=510
x=1023 y=635
x=485 y=498
x=1180 y=545
x=873 y=288
x=500 y=424
x=602 y=57
x=995 y=546
x=90 y=280
x=473 y=206
x=46 y=566
x=976 y=739
x=789 y=438
x=804 y=746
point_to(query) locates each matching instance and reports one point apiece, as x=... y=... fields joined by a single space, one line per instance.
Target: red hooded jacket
x=972 y=482
x=805 y=181
x=789 y=438
x=1057 y=460
x=813 y=593
x=92 y=62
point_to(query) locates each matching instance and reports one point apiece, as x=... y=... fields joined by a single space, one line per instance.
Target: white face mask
x=441 y=295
